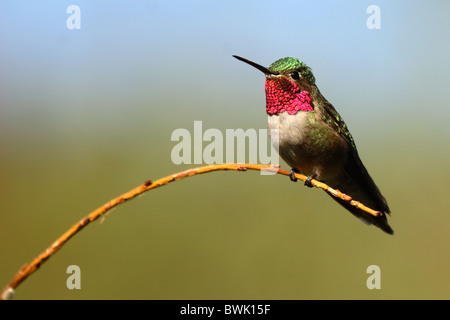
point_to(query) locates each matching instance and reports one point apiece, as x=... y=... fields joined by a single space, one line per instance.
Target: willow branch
x=28 y=269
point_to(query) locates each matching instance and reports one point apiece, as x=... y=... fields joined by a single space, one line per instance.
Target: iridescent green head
x=289 y=85
x=288 y=64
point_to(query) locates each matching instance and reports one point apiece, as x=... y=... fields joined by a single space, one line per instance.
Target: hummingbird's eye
x=295 y=75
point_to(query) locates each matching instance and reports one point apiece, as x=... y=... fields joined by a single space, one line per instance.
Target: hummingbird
x=314 y=140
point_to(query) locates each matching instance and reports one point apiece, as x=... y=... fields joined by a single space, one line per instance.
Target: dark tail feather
x=380 y=221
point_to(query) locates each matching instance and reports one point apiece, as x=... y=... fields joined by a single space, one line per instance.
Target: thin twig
x=28 y=269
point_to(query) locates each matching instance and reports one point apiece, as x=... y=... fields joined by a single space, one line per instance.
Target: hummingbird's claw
x=292 y=175
x=308 y=181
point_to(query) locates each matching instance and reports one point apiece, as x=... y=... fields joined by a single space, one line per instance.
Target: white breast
x=290 y=128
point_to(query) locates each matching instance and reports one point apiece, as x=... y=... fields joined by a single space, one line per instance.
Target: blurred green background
x=86 y=115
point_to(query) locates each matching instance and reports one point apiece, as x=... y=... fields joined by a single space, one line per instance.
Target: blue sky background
x=87 y=114
x=124 y=50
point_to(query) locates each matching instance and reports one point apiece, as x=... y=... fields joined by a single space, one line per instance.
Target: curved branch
x=28 y=269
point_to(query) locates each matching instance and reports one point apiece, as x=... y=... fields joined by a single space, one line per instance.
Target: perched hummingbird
x=313 y=138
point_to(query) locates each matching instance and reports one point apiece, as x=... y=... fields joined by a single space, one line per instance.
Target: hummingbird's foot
x=292 y=174
x=308 y=180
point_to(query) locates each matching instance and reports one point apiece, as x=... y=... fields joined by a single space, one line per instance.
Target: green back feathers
x=290 y=64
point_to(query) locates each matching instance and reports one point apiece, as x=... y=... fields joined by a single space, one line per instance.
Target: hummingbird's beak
x=257 y=66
